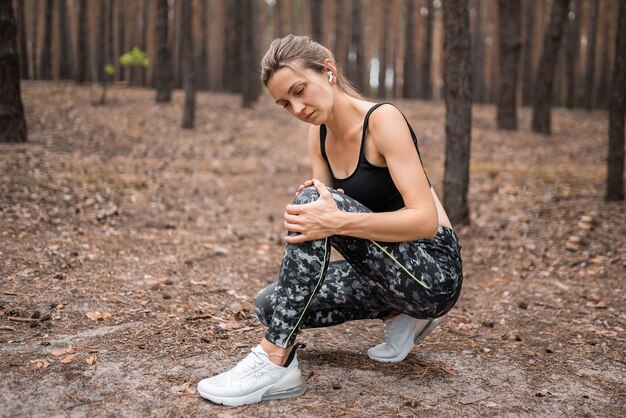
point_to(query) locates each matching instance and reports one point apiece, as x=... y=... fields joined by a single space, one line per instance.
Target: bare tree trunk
x=602 y=92
x=510 y=43
x=250 y=77
x=188 y=67
x=317 y=32
x=203 y=65
x=617 y=111
x=341 y=36
x=545 y=73
x=458 y=98
x=409 y=88
x=382 y=54
x=163 y=69
x=356 y=69
x=427 y=86
x=21 y=24
x=12 y=122
x=278 y=15
x=121 y=33
x=65 y=51
x=100 y=41
x=45 y=62
x=571 y=48
x=591 y=56
x=143 y=72
x=527 y=72
x=478 y=60
x=82 y=52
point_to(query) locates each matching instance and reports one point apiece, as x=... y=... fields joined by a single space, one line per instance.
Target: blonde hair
x=302 y=52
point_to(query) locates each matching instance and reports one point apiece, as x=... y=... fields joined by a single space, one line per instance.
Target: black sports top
x=369 y=184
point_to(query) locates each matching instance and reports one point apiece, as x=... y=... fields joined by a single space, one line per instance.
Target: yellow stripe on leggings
x=398 y=263
x=319 y=281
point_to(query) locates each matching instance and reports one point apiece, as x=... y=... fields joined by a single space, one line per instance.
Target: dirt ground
x=131 y=252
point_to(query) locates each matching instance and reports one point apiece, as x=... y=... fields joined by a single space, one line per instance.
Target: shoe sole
x=419 y=337
x=295 y=387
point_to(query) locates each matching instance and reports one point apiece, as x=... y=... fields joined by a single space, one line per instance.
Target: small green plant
x=133 y=58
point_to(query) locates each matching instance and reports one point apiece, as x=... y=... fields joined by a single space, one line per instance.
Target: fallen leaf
x=67 y=359
x=96 y=316
x=69 y=350
x=92 y=359
x=58 y=352
x=40 y=363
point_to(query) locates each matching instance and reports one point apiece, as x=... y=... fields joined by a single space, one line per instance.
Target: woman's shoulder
x=385 y=118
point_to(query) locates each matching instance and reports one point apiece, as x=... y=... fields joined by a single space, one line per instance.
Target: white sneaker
x=254 y=379
x=403 y=332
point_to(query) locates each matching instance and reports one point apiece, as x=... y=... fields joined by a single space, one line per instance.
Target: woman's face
x=307 y=94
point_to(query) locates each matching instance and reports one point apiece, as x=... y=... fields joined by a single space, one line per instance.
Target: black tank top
x=369 y=184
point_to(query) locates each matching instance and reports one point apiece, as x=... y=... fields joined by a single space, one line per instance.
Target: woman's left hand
x=312 y=220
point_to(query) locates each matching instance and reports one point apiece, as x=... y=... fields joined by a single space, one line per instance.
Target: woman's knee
x=264 y=304
x=307 y=195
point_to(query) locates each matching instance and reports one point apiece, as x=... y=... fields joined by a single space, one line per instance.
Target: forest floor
x=132 y=251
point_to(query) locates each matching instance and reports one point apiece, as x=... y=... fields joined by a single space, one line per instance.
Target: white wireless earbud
x=330 y=76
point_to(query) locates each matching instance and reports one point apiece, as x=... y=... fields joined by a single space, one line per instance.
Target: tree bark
x=510 y=43
x=12 y=122
x=121 y=33
x=527 y=72
x=163 y=68
x=478 y=78
x=571 y=48
x=617 y=111
x=203 y=65
x=45 y=62
x=382 y=54
x=591 y=56
x=602 y=92
x=427 y=86
x=545 y=74
x=65 y=51
x=250 y=77
x=458 y=98
x=357 y=67
x=101 y=42
x=317 y=32
x=409 y=88
x=341 y=36
x=188 y=66
x=21 y=24
x=83 y=73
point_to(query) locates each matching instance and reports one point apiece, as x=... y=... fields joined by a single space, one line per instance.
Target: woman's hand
x=312 y=220
x=308 y=183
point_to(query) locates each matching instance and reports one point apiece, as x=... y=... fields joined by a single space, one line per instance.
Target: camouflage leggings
x=421 y=278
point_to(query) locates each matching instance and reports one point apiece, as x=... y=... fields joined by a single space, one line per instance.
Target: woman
x=402 y=258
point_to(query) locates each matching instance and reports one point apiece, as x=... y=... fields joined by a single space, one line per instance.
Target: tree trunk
x=478 y=79
x=12 y=122
x=250 y=77
x=527 y=72
x=510 y=43
x=82 y=52
x=101 y=42
x=357 y=67
x=121 y=33
x=617 y=111
x=571 y=48
x=163 y=68
x=45 y=62
x=602 y=92
x=591 y=56
x=382 y=54
x=65 y=50
x=143 y=71
x=188 y=66
x=278 y=16
x=203 y=65
x=458 y=98
x=409 y=88
x=341 y=36
x=545 y=73
x=316 y=20
x=21 y=24
x=427 y=86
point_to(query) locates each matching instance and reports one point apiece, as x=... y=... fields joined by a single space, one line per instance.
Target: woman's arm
x=417 y=220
